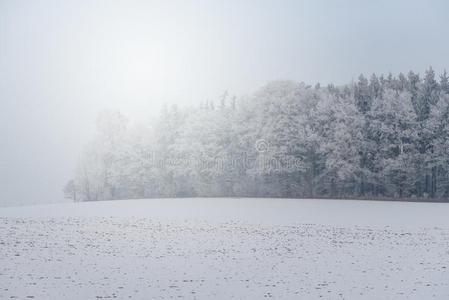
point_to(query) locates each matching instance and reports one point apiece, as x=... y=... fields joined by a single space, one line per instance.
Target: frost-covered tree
x=100 y=171
x=70 y=190
x=393 y=126
x=438 y=158
x=362 y=94
x=444 y=83
x=340 y=144
x=382 y=137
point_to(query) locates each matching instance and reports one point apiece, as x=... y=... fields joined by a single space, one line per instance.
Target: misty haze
x=224 y=149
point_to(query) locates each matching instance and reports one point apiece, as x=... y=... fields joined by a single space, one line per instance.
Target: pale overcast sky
x=61 y=62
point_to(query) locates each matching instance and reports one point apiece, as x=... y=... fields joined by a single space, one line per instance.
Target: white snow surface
x=225 y=248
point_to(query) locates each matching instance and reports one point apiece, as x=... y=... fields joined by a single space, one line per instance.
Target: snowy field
x=225 y=249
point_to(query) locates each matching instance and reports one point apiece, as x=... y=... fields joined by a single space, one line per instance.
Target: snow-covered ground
x=225 y=249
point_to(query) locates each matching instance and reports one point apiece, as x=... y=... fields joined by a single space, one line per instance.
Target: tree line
x=382 y=136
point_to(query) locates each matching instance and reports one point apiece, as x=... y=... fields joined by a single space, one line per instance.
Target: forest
x=376 y=137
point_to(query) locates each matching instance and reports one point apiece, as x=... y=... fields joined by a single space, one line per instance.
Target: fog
x=61 y=63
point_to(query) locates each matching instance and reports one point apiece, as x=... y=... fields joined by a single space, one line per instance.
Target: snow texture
x=225 y=249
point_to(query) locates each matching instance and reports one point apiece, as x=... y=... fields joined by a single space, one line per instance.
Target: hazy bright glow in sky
x=61 y=62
